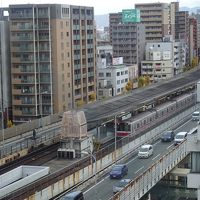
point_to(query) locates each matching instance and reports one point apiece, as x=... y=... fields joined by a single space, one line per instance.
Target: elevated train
x=128 y=125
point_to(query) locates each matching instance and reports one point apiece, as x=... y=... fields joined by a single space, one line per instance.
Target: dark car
x=167 y=136
x=76 y=195
x=118 y=171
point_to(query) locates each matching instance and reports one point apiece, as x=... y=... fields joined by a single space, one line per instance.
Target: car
x=120 y=185
x=195 y=116
x=167 y=136
x=180 y=137
x=118 y=171
x=145 y=151
x=76 y=195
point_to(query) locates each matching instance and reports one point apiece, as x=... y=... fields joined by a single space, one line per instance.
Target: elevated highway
x=81 y=173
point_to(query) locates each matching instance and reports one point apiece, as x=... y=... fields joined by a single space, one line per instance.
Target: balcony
x=15 y=60
x=29 y=113
x=17 y=102
x=28 y=27
x=16 y=81
x=91 y=83
x=16 y=91
x=17 y=112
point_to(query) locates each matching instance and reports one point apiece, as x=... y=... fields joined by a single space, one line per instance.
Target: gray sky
x=102 y=6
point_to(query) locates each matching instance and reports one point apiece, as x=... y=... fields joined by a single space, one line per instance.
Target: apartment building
x=158 y=18
x=127 y=39
x=112 y=80
x=163 y=59
x=52 y=58
x=193 y=46
x=5 y=82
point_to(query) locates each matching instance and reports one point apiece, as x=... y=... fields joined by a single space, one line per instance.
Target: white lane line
x=170 y=146
x=156 y=157
x=139 y=169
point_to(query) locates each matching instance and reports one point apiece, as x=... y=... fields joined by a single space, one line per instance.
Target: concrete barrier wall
x=107 y=161
x=20 y=177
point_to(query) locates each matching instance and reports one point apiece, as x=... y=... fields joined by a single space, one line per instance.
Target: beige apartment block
x=53 y=59
x=158 y=18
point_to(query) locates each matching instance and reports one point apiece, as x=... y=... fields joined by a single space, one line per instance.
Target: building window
x=118 y=90
x=63 y=67
x=122 y=73
x=68 y=85
x=63 y=97
x=108 y=74
x=122 y=81
x=118 y=73
x=69 y=95
x=63 y=77
x=61 y=35
x=118 y=82
x=101 y=74
x=67 y=34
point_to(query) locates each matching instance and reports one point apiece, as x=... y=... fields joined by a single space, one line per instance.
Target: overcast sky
x=102 y=6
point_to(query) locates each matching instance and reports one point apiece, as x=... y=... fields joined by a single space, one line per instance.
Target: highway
x=103 y=189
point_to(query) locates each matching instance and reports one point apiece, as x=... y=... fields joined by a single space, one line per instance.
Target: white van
x=195 y=116
x=180 y=137
x=145 y=151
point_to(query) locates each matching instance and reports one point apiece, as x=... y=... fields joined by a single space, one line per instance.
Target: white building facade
x=112 y=80
x=163 y=59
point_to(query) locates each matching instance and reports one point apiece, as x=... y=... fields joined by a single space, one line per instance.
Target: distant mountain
x=102 y=20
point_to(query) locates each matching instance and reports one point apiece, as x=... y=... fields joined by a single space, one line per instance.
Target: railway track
x=37 y=156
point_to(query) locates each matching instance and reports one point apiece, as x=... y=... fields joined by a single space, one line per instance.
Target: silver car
x=120 y=185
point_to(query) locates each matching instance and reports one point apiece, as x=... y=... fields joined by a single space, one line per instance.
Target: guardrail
x=144 y=182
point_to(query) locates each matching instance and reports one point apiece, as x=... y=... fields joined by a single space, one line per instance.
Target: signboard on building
x=156 y=55
x=117 y=61
x=166 y=55
x=130 y=15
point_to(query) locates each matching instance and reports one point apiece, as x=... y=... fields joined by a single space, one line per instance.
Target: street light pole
x=95 y=168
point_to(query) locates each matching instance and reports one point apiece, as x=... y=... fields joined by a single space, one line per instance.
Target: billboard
x=130 y=15
x=117 y=61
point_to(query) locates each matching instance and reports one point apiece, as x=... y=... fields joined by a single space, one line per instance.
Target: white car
x=120 y=185
x=145 y=151
x=180 y=137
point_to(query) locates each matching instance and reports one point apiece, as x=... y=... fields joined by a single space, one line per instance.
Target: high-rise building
x=53 y=58
x=158 y=18
x=127 y=39
x=5 y=82
x=193 y=47
x=182 y=25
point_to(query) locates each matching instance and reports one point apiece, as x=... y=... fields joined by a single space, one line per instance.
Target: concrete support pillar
x=198 y=194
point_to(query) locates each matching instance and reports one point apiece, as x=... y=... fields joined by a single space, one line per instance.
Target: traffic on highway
x=135 y=166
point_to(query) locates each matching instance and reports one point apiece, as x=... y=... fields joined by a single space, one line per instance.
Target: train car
x=138 y=123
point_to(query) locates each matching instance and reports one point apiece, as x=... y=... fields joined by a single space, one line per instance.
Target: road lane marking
x=139 y=169
x=156 y=157
x=170 y=146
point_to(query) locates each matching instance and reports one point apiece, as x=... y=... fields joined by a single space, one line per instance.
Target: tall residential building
x=158 y=18
x=127 y=39
x=193 y=48
x=52 y=58
x=5 y=82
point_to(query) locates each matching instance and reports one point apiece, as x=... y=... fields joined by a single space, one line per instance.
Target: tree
x=80 y=103
x=9 y=124
x=129 y=86
x=147 y=80
x=141 y=81
x=92 y=97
